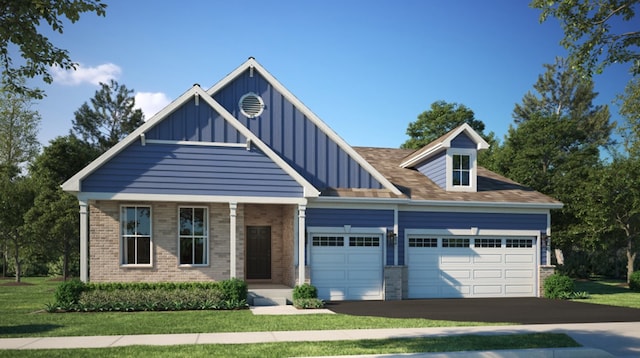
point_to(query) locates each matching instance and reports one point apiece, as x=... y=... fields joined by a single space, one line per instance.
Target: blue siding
x=463 y=141
x=353 y=217
x=192 y=170
x=435 y=169
x=294 y=137
x=452 y=220
x=195 y=123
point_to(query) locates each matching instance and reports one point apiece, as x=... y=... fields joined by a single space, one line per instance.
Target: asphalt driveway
x=512 y=310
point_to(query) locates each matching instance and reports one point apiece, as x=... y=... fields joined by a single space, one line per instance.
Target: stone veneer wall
x=394 y=282
x=104 y=244
x=545 y=271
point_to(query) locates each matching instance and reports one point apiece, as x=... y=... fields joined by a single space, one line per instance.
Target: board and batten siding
x=199 y=123
x=435 y=169
x=360 y=218
x=465 y=220
x=289 y=133
x=192 y=170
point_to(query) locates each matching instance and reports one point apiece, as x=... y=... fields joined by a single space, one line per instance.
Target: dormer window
x=461 y=169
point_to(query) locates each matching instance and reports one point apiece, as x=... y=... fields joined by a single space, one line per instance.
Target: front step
x=270 y=296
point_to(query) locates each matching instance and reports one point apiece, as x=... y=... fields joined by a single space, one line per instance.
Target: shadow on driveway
x=507 y=310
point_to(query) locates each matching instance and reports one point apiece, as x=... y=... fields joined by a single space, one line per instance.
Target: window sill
x=193 y=266
x=145 y=266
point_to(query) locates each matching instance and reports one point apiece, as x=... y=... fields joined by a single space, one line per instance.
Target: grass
x=299 y=349
x=609 y=292
x=23 y=315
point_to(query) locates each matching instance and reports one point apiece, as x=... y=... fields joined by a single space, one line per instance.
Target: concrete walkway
x=598 y=339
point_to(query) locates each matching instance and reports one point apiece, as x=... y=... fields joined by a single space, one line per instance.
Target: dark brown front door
x=258 y=252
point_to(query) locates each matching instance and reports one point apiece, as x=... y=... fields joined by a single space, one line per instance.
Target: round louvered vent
x=251 y=105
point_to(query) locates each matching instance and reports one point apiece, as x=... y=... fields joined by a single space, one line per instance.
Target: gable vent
x=251 y=105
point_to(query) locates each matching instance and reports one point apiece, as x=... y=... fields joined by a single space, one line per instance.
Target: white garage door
x=447 y=267
x=347 y=267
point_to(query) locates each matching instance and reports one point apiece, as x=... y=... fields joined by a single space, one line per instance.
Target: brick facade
x=104 y=242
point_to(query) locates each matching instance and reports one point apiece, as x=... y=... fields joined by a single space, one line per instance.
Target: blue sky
x=366 y=68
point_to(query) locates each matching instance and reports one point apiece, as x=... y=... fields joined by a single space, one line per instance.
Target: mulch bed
x=511 y=310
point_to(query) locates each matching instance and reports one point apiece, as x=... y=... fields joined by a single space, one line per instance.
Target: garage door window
x=328 y=241
x=488 y=242
x=364 y=241
x=423 y=242
x=520 y=243
x=455 y=242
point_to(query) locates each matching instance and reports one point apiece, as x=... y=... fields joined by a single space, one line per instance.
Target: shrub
x=307 y=303
x=305 y=291
x=634 y=281
x=558 y=286
x=234 y=289
x=68 y=292
x=580 y=295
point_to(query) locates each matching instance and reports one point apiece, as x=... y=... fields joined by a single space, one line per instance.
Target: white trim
x=203 y=144
x=471 y=232
x=301 y=243
x=473 y=170
x=206 y=237
x=446 y=144
x=191 y=198
x=252 y=63
x=84 y=241
x=346 y=230
x=233 y=239
x=121 y=236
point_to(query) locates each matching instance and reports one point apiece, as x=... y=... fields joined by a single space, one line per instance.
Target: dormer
x=450 y=161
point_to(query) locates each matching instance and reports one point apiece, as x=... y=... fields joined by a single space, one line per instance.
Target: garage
x=347 y=267
x=456 y=266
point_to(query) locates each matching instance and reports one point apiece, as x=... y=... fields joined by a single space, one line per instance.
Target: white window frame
x=207 y=247
x=473 y=169
x=123 y=236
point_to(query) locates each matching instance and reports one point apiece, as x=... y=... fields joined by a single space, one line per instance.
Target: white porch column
x=232 y=239
x=301 y=246
x=84 y=241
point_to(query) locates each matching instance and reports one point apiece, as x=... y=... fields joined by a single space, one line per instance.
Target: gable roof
x=252 y=65
x=74 y=183
x=444 y=142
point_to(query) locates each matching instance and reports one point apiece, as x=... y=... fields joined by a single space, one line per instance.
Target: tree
x=20 y=27
x=595 y=32
x=16 y=199
x=441 y=118
x=109 y=119
x=19 y=144
x=630 y=110
x=54 y=216
x=563 y=93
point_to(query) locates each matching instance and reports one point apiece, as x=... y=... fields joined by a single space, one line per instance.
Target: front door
x=258 y=252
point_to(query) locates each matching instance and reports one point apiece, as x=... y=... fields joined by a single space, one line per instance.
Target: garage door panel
x=348 y=272
x=499 y=267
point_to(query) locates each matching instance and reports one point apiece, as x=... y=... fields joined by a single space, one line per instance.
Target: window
x=488 y=243
x=423 y=242
x=328 y=241
x=194 y=238
x=364 y=241
x=519 y=243
x=136 y=235
x=455 y=242
x=461 y=170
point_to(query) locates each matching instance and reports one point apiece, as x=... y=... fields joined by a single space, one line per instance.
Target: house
x=243 y=181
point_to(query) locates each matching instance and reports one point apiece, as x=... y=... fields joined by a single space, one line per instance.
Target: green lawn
x=609 y=292
x=22 y=315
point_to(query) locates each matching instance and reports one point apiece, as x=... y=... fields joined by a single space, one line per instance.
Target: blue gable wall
x=294 y=137
x=195 y=123
x=463 y=141
x=435 y=169
x=192 y=170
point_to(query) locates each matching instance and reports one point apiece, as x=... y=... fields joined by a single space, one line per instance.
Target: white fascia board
x=465 y=127
x=191 y=198
x=415 y=160
x=73 y=184
x=251 y=63
x=472 y=232
x=430 y=204
x=309 y=190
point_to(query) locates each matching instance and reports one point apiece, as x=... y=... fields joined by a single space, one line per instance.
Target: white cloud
x=151 y=102
x=92 y=75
